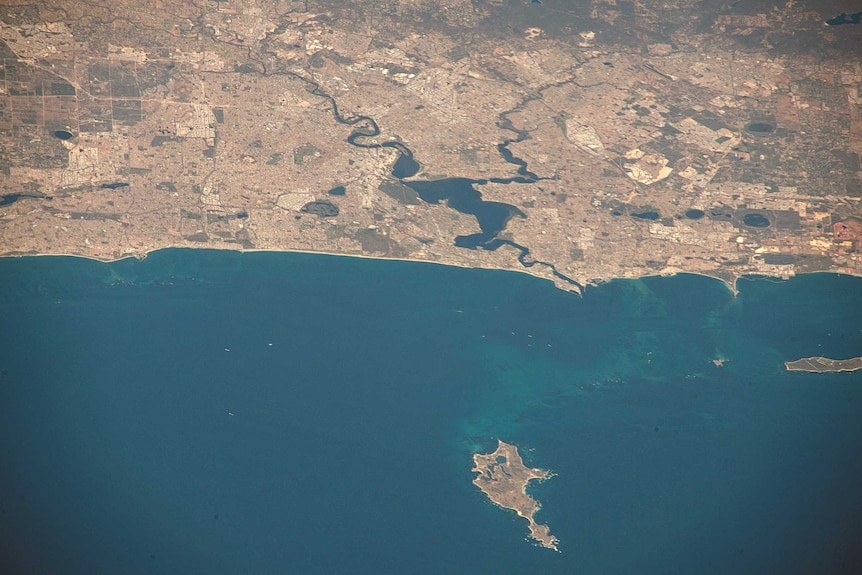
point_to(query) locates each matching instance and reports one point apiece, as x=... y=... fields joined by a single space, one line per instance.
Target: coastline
x=97 y=351
x=820 y=364
x=731 y=286
x=499 y=474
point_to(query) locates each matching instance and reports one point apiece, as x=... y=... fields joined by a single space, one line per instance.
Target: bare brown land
x=503 y=477
x=824 y=364
x=637 y=138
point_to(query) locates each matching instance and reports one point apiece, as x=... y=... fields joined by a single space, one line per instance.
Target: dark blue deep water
x=335 y=435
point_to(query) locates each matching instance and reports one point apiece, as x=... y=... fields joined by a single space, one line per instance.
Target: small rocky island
x=503 y=477
x=824 y=364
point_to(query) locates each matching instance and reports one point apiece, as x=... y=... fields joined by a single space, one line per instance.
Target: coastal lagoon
x=218 y=412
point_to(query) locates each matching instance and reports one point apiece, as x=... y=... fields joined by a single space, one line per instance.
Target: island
x=824 y=364
x=503 y=477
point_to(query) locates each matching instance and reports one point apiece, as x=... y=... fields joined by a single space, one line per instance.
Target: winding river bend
x=460 y=194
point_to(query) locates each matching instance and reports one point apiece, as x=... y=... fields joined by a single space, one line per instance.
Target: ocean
x=221 y=412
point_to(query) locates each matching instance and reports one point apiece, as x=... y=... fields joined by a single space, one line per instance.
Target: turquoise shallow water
x=335 y=436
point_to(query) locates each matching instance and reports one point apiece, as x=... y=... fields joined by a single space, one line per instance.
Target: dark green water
x=359 y=390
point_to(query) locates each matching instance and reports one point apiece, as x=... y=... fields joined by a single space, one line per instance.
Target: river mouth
x=459 y=194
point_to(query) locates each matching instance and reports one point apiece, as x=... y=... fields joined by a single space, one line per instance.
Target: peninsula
x=824 y=364
x=503 y=477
